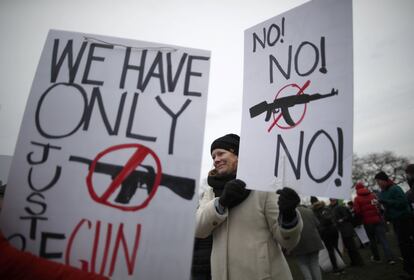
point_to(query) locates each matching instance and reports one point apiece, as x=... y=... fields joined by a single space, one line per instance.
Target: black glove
x=233 y=194
x=288 y=201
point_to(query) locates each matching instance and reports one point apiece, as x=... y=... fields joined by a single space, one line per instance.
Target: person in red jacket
x=366 y=206
x=18 y=265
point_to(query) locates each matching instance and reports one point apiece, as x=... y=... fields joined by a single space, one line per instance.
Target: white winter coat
x=247 y=239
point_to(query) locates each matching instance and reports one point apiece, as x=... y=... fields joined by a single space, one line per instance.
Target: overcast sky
x=383 y=57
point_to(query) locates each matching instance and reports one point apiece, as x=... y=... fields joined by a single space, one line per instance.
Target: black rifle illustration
x=284 y=103
x=184 y=187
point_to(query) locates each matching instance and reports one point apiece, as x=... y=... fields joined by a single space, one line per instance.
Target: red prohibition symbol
x=276 y=118
x=140 y=153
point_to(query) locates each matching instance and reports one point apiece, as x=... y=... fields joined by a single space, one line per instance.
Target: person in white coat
x=249 y=228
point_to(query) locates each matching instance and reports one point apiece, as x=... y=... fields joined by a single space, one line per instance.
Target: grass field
x=370 y=271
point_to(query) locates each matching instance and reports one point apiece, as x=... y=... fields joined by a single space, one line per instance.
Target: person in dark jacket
x=409 y=173
x=327 y=231
x=397 y=210
x=342 y=218
x=366 y=206
x=310 y=243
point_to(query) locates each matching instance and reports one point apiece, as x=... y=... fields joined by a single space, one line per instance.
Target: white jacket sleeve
x=207 y=217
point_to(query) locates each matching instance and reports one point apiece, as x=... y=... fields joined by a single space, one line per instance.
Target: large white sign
x=108 y=158
x=298 y=101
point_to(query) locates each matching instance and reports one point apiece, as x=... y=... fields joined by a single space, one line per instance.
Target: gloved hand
x=233 y=194
x=288 y=201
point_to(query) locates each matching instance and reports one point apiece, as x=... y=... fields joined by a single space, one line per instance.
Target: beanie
x=381 y=176
x=410 y=169
x=359 y=185
x=229 y=142
x=313 y=199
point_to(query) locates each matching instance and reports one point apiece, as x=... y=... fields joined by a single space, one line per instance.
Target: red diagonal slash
x=141 y=152
x=301 y=91
x=138 y=157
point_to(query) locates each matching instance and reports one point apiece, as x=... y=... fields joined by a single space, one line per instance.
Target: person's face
x=333 y=201
x=381 y=183
x=225 y=162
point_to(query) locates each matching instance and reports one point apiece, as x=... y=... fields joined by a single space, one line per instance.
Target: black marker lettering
x=190 y=73
x=131 y=123
x=91 y=58
x=97 y=96
x=45 y=154
x=67 y=52
x=174 y=120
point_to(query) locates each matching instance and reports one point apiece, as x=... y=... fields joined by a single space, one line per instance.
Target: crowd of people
x=245 y=234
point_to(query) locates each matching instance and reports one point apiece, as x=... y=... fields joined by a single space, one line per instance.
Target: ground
x=370 y=271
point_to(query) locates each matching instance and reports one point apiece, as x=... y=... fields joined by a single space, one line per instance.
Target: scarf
x=217 y=182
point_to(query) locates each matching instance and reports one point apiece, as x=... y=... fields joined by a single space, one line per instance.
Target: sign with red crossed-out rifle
x=297 y=119
x=105 y=175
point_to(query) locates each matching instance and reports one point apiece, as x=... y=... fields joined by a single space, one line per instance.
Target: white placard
x=298 y=101
x=362 y=234
x=105 y=172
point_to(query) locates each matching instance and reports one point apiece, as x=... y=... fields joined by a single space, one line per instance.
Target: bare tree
x=364 y=168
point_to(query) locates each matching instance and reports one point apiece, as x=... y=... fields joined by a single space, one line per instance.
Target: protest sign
x=5 y=162
x=297 y=101
x=104 y=175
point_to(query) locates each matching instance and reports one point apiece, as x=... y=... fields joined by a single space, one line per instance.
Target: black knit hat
x=229 y=142
x=313 y=199
x=381 y=176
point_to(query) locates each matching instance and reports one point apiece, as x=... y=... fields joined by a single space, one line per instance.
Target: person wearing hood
x=398 y=212
x=249 y=227
x=366 y=207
